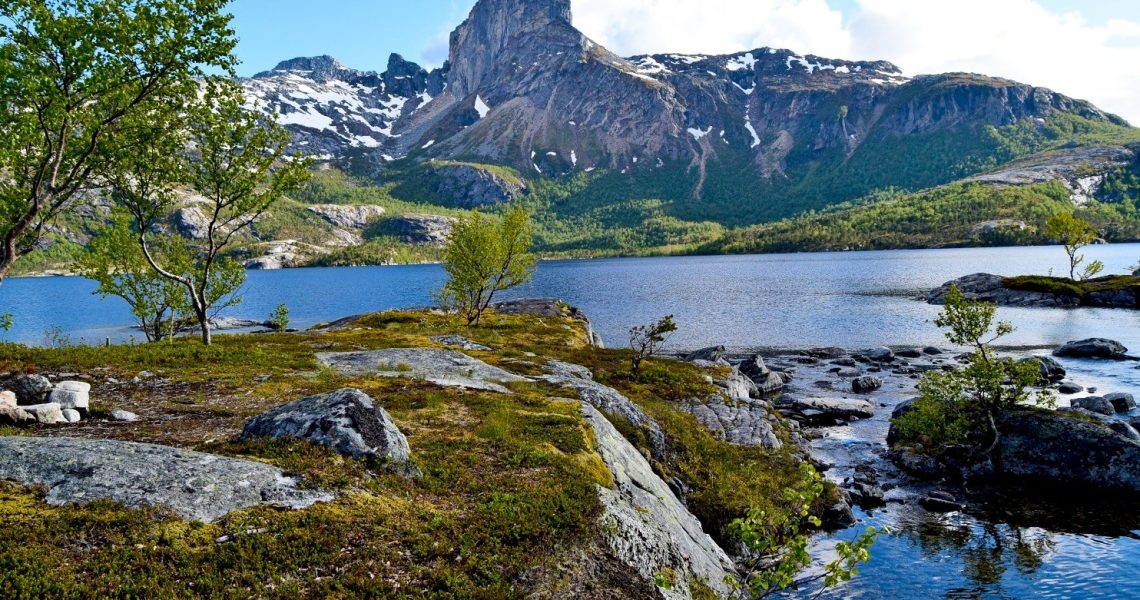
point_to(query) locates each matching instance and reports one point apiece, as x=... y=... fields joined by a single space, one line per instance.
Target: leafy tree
x=76 y=79
x=279 y=318
x=961 y=408
x=647 y=340
x=237 y=164
x=484 y=256
x=1075 y=234
x=115 y=261
x=779 y=541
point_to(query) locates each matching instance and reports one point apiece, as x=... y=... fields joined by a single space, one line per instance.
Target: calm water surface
x=853 y=300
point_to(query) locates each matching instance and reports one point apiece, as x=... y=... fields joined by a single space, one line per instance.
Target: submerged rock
x=446 y=368
x=346 y=420
x=1093 y=348
x=646 y=527
x=195 y=486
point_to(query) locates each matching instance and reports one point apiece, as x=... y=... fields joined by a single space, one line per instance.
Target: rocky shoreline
x=1044 y=292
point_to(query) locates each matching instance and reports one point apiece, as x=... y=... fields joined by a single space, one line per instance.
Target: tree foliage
x=78 y=80
x=1074 y=234
x=647 y=340
x=236 y=163
x=961 y=408
x=485 y=256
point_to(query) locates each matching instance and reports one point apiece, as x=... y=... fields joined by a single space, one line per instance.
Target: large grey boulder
x=72 y=395
x=29 y=388
x=1093 y=348
x=1062 y=451
x=46 y=414
x=1096 y=404
x=737 y=386
x=1051 y=370
x=607 y=400
x=446 y=368
x=991 y=288
x=646 y=527
x=825 y=411
x=195 y=486
x=1122 y=402
x=346 y=420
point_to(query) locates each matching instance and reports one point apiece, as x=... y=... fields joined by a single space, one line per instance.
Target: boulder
x=991 y=288
x=346 y=420
x=909 y=353
x=71 y=415
x=195 y=486
x=29 y=388
x=711 y=354
x=1058 y=450
x=1124 y=429
x=1121 y=402
x=8 y=399
x=607 y=400
x=866 y=385
x=932 y=351
x=825 y=411
x=447 y=368
x=882 y=354
x=828 y=352
x=1051 y=370
x=739 y=387
x=123 y=416
x=46 y=414
x=1096 y=404
x=1093 y=348
x=1069 y=388
x=646 y=527
x=72 y=395
x=767 y=381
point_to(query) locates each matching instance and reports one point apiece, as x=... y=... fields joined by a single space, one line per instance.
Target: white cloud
x=1018 y=39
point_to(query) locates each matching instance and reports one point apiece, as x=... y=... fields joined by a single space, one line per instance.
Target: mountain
x=737 y=139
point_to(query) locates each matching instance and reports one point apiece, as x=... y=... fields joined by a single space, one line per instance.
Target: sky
x=1089 y=49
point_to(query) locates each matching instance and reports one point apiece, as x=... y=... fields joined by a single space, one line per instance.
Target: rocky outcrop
x=646 y=526
x=1058 y=450
x=446 y=368
x=471 y=186
x=193 y=485
x=767 y=381
x=459 y=342
x=349 y=216
x=549 y=307
x=346 y=420
x=992 y=288
x=824 y=411
x=746 y=422
x=1093 y=348
x=421 y=230
x=607 y=400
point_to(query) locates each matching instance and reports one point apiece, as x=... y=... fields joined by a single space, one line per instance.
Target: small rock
x=46 y=414
x=1096 y=404
x=123 y=416
x=1121 y=402
x=29 y=388
x=8 y=399
x=71 y=415
x=866 y=385
x=1068 y=388
x=931 y=351
x=827 y=352
x=71 y=394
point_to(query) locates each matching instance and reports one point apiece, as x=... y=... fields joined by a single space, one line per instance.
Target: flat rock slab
x=446 y=368
x=196 y=486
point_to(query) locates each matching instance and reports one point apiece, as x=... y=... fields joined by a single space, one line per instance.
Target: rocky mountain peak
x=317 y=68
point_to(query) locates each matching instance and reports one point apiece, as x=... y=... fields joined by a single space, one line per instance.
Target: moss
x=1079 y=289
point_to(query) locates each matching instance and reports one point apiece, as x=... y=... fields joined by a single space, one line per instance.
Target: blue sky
x=1089 y=49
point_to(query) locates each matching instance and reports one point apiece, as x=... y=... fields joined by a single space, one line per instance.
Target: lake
x=855 y=299
x=852 y=300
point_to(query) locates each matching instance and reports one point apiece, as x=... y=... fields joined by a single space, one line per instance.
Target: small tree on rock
x=1075 y=234
x=647 y=340
x=485 y=256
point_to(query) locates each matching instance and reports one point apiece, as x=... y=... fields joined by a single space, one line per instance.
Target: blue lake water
x=853 y=300
x=859 y=299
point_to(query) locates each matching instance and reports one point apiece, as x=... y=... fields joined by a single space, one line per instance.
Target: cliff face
x=524 y=88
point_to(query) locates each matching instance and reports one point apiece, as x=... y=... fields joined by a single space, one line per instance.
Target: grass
x=508 y=486
x=1080 y=289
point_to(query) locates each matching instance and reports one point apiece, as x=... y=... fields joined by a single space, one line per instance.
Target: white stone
x=71 y=415
x=8 y=399
x=71 y=394
x=124 y=416
x=46 y=414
